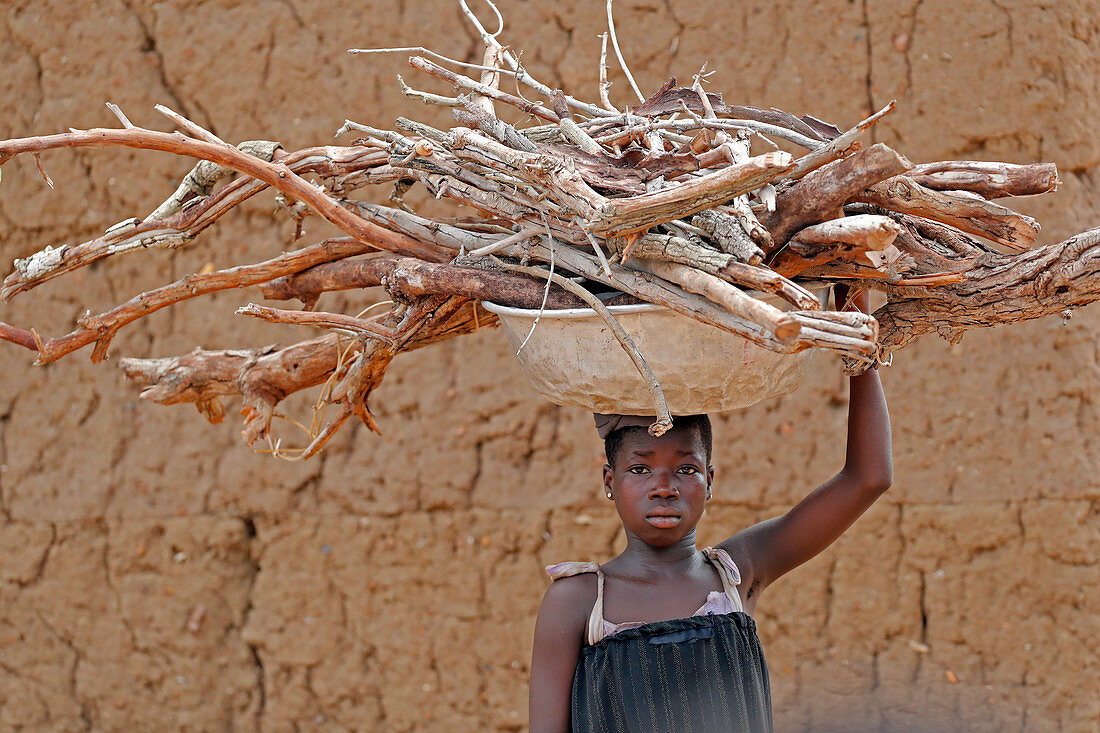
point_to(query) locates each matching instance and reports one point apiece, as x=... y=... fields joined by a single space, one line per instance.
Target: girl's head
x=660 y=485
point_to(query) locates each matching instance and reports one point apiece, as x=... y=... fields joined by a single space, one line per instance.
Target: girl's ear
x=608 y=480
x=710 y=480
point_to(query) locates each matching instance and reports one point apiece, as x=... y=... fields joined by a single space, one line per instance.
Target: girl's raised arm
x=559 y=636
x=776 y=546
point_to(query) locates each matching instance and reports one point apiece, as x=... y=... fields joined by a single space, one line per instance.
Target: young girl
x=661 y=638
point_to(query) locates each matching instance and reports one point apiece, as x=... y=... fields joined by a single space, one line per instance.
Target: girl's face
x=660 y=485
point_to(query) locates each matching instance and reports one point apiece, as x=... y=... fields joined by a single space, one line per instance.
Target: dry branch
x=989 y=180
x=407 y=278
x=337 y=321
x=102 y=328
x=998 y=289
x=967 y=212
x=276 y=175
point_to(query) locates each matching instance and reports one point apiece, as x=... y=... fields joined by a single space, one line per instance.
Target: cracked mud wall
x=155 y=573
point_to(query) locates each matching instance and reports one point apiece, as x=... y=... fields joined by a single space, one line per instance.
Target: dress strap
x=595 y=630
x=566 y=569
x=595 y=619
x=727 y=571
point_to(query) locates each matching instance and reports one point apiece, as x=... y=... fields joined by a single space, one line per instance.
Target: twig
x=989 y=180
x=195 y=129
x=433 y=54
x=182 y=227
x=605 y=85
x=545 y=292
x=619 y=53
x=838 y=147
x=318 y=320
x=520 y=236
x=638 y=124
x=426 y=97
x=42 y=171
x=782 y=325
x=18 y=335
x=521 y=74
x=465 y=82
x=600 y=253
x=117 y=112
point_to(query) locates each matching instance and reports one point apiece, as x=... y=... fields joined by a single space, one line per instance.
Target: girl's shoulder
x=574 y=584
x=569 y=599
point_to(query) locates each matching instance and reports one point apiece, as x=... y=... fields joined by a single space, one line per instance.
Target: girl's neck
x=673 y=559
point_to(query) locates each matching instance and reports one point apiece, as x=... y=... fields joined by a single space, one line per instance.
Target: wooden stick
x=195 y=129
x=407 y=278
x=181 y=227
x=277 y=175
x=822 y=243
x=677 y=249
x=730 y=234
x=521 y=74
x=672 y=296
x=862 y=231
x=998 y=289
x=619 y=54
x=604 y=83
x=618 y=217
x=18 y=335
x=264 y=376
x=989 y=180
x=783 y=326
x=968 y=212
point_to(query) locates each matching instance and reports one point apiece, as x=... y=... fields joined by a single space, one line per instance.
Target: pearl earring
x=608 y=494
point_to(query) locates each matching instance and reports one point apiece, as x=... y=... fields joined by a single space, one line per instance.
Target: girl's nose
x=662 y=488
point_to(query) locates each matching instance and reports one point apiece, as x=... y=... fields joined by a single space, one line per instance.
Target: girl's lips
x=663 y=521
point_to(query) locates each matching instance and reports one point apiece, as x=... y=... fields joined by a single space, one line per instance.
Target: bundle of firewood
x=683 y=201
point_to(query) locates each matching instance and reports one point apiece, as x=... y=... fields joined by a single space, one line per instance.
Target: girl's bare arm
x=559 y=635
x=771 y=548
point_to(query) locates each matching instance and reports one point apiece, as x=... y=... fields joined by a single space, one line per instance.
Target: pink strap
x=728 y=572
x=566 y=569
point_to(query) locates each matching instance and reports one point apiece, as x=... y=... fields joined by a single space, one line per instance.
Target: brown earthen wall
x=391 y=584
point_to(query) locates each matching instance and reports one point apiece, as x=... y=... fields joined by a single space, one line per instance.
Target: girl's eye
x=637 y=469
x=689 y=470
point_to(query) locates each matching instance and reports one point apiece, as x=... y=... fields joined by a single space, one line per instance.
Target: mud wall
x=155 y=573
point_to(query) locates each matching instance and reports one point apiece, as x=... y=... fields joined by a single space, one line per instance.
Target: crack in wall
x=150 y=47
x=5 y=420
x=907 y=57
x=254 y=650
x=85 y=711
x=870 y=63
